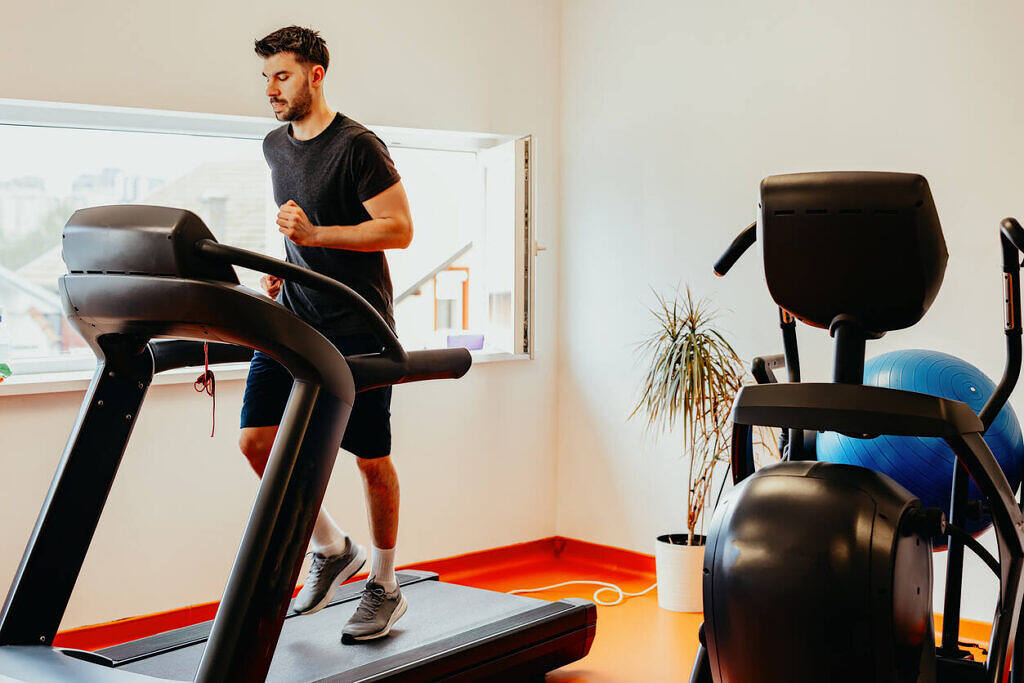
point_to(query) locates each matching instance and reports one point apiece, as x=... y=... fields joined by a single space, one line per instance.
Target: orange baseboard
x=465 y=569
x=99 y=636
x=469 y=569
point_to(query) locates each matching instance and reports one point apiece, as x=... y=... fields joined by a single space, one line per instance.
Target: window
x=464 y=281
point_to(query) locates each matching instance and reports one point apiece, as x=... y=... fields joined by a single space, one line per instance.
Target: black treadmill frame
x=133 y=279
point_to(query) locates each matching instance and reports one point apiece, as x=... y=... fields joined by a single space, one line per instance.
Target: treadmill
x=150 y=289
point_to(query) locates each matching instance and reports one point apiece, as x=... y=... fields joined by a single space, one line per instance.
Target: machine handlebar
x=739 y=245
x=1011 y=238
x=223 y=253
x=369 y=371
x=374 y=370
x=392 y=366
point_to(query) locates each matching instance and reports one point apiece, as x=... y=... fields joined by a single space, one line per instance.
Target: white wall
x=673 y=112
x=669 y=114
x=476 y=457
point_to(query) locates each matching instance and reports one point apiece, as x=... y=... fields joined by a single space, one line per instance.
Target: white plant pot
x=680 y=568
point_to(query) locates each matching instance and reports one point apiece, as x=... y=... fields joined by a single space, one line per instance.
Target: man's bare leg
x=382 y=603
x=380 y=483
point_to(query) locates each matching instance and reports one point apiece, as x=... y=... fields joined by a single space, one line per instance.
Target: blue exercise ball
x=924 y=465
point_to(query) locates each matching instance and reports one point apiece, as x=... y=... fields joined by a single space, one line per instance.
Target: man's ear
x=316 y=74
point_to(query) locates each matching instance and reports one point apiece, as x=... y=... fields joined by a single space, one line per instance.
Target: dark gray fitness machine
x=139 y=273
x=817 y=571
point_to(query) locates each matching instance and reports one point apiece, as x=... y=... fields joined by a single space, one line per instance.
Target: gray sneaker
x=324 y=574
x=377 y=613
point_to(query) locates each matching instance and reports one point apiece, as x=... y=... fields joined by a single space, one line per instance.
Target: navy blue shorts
x=368 y=434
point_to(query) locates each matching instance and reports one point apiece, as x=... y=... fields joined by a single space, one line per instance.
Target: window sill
x=78 y=380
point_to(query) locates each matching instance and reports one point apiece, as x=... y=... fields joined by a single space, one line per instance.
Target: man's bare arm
x=389 y=227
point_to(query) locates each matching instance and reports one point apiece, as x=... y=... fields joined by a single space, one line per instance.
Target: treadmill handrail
x=223 y=253
x=169 y=354
x=369 y=371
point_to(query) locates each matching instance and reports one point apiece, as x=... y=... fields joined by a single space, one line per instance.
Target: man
x=341 y=204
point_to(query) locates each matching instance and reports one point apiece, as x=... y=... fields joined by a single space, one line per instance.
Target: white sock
x=328 y=539
x=382 y=569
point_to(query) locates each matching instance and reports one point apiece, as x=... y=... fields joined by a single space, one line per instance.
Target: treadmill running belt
x=432 y=640
x=160 y=643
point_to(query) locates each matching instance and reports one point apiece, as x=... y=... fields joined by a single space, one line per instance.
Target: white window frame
x=72 y=373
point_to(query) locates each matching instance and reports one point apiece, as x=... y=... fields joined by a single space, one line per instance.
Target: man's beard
x=298 y=108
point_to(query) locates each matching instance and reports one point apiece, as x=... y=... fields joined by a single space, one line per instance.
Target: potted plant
x=693 y=376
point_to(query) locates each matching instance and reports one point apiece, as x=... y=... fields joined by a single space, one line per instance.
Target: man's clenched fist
x=294 y=225
x=271 y=285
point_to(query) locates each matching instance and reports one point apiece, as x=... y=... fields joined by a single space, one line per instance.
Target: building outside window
x=464 y=281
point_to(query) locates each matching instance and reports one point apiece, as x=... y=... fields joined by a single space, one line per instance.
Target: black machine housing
x=822 y=572
x=866 y=245
x=864 y=611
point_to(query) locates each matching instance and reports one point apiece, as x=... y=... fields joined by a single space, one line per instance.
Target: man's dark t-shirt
x=329 y=177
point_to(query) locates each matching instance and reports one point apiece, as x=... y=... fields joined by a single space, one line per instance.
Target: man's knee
x=256 y=442
x=376 y=469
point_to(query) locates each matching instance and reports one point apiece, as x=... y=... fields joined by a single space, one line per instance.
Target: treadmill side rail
x=513 y=649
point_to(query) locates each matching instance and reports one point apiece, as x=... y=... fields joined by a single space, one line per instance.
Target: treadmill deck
x=448 y=631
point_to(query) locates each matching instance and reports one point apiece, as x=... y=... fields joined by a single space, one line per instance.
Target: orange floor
x=636 y=640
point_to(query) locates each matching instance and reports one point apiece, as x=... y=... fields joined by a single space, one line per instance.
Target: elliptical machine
x=817 y=571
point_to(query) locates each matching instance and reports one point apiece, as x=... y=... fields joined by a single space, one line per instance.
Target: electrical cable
x=622 y=595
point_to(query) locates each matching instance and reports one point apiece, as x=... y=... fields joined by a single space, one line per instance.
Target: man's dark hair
x=305 y=43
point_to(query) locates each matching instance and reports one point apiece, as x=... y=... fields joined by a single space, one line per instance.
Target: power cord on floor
x=622 y=595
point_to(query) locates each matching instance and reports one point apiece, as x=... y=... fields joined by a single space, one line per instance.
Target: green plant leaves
x=694 y=373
